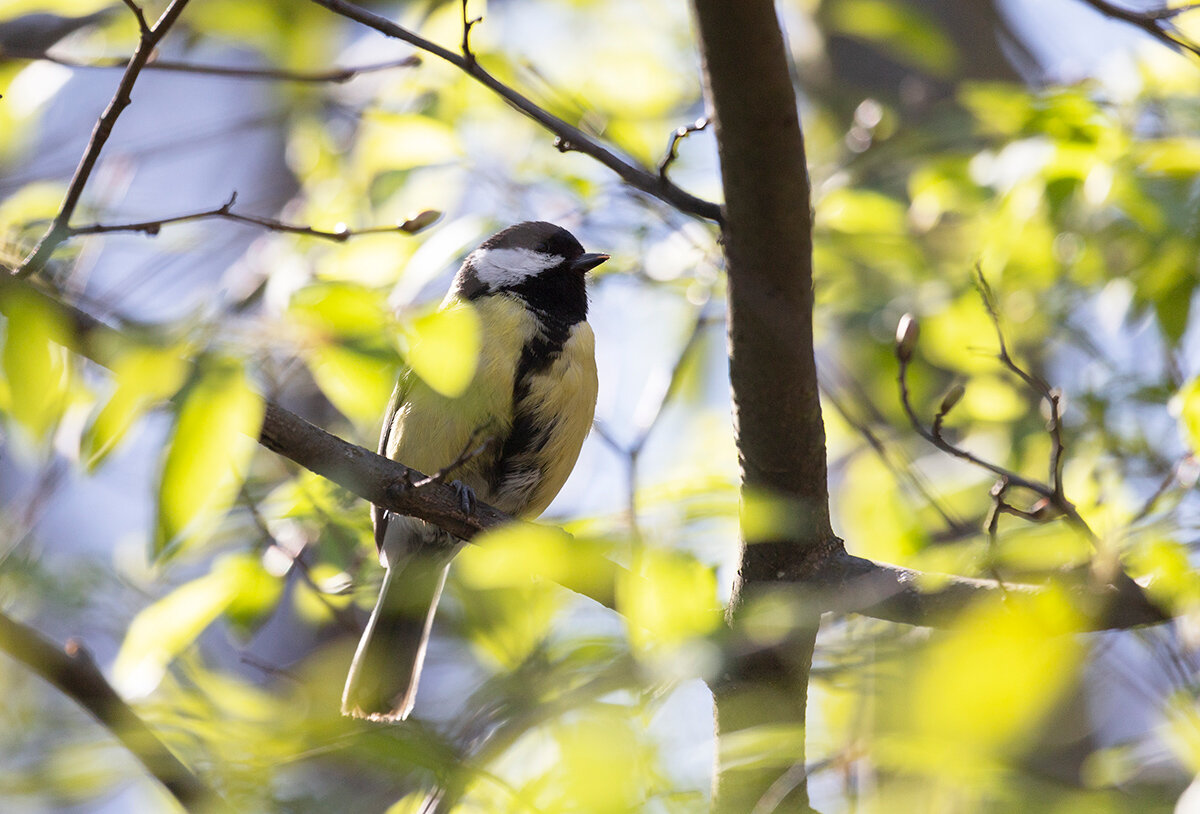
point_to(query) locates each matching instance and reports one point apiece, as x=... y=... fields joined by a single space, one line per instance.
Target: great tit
x=515 y=434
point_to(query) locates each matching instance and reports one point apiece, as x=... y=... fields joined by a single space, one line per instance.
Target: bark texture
x=777 y=412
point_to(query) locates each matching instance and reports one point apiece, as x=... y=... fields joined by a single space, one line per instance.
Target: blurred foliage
x=230 y=617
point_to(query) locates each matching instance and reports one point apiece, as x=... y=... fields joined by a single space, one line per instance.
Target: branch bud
x=953 y=396
x=907 y=332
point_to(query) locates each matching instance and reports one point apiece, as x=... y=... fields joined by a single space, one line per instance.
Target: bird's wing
x=379 y=516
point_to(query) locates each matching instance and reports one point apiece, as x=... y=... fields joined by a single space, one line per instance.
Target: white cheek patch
x=498 y=268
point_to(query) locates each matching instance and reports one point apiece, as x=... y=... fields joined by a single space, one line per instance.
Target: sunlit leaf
x=143 y=377
x=1186 y=406
x=396 y=141
x=443 y=348
x=324 y=590
x=975 y=693
x=902 y=30
x=348 y=351
x=208 y=455
x=160 y=632
x=36 y=363
x=669 y=598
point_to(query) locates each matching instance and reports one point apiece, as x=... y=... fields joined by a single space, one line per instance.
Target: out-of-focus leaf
x=38 y=201
x=974 y=694
x=990 y=398
x=601 y=765
x=907 y=33
x=1000 y=108
x=1186 y=405
x=348 y=351
x=325 y=590
x=163 y=630
x=1169 y=156
x=668 y=599
x=257 y=590
x=398 y=141
x=357 y=383
x=208 y=455
x=1172 y=579
x=36 y=362
x=443 y=348
x=143 y=376
x=859 y=211
x=342 y=310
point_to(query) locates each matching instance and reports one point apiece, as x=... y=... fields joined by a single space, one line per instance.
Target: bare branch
x=225 y=211
x=569 y=136
x=72 y=671
x=1156 y=22
x=467 y=25
x=678 y=135
x=335 y=75
x=143 y=26
x=850 y=584
x=57 y=231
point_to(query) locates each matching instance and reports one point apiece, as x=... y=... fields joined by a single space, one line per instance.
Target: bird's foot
x=466 y=497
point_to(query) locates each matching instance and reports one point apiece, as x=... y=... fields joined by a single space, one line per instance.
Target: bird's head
x=539 y=262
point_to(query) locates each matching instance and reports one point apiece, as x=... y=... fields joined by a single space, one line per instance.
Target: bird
x=511 y=438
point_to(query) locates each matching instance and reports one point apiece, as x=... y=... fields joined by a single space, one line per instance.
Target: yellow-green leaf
x=143 y=377
x=1187 y=405
x=669 y=598
x=208 y=454
x=36 y=364
x=443 y=348
x=162 y=631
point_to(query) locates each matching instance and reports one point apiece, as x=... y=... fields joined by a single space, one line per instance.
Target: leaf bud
x=907 y=332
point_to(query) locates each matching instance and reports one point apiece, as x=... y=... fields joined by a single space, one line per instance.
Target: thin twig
x=58 y=230
x=569 y=136
x=467 y=25
x=1157 y=23
x=225 y=211
x=334 y=75
x=678 y=135
x=941 y=443
x=468 y=453
x=74 y=673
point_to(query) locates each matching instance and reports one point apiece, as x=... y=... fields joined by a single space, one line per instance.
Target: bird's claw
x=466 y=497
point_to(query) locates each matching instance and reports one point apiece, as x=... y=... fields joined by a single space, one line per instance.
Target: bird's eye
x=542 y=247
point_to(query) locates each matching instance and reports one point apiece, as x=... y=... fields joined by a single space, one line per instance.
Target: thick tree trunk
x=777 y=413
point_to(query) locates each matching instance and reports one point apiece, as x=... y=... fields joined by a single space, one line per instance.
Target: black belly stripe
x=518 y=456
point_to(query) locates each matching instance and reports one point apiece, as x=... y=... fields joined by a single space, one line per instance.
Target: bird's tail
x=382 y=684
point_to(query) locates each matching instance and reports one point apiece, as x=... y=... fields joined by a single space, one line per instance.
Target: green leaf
x=165 y=629
x=443 y=348
x=208 y=455
x=35 y=360
x=144 y=376
x=669 y=598
x=908 y=34
x=1187 y=406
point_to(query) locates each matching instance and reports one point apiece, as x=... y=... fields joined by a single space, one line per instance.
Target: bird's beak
x=586 y=262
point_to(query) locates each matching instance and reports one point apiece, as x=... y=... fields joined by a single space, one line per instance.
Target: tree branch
x=58 y=232
x=336 y=76
x=225 y=211
x=861 y=586
x=1156 y=22
x=72 y=671
x=849 y=584
x=569 y=136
